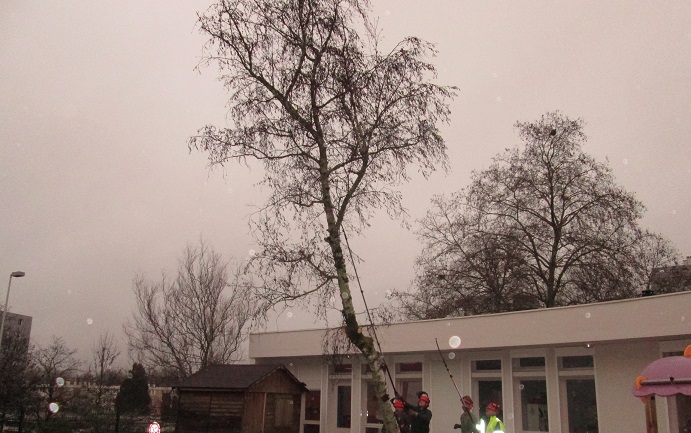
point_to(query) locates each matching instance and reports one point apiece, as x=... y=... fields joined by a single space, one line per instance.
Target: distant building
x=18 y=323
x=670 y=279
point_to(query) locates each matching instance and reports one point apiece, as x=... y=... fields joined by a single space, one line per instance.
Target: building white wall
x=621 y=336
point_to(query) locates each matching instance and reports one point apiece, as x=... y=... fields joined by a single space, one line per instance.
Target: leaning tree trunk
x=353 y=330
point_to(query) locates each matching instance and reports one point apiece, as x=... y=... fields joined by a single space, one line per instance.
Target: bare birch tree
x=336 y=123
x=198 y=318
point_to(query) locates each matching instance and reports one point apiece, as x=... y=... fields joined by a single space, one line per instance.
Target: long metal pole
x=465 y=408
x=4 y=312
x=7 y=298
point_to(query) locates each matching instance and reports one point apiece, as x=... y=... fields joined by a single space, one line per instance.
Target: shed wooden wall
x=210 y=412
x=252 y=411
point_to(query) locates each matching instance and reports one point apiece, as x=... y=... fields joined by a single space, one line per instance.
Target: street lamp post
x=15 y=274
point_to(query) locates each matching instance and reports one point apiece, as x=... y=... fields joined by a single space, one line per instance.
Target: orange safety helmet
x=425 y=398
x=398 y=404
x=493 y=407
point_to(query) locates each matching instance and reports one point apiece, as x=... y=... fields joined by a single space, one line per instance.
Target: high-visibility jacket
x=493 y=425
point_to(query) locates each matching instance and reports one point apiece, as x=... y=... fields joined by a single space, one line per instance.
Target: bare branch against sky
x=99 y=98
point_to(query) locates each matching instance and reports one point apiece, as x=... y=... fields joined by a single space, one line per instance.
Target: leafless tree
x=464 y=272
x=104 y=354
x=558 y=229
x=56 y=364
x=197 y=319
x=336 y=122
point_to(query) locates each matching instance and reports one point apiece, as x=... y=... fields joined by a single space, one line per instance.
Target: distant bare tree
x=545 y=225
x=197 y=319
x=56 y=364
x=336 y=123
x=104 y=354
x=654 y=254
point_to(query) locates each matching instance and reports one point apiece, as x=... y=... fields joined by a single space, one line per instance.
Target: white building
x=566 y=369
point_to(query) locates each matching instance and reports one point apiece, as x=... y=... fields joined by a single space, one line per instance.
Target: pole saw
x=465 y=408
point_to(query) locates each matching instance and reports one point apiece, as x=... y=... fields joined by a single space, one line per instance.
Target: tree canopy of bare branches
x=545 y=225
x=55 y=363
x=336 y=123
x=198 y=318
x=104 y=354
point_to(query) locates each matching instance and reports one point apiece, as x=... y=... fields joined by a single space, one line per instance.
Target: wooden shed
x=262 y=398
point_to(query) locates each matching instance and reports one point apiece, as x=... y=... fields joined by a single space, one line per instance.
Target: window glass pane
x=534 y=404
x=372 y=402
x=577 y=362
x=311 y=428
x=488 y=365
x=489 y=392
x=582 y=405
x=343 y=409
x=342 y=368
x=531 y=362
x=409 y=388
x=683 y=403
x=409 y=367
x=312 y=405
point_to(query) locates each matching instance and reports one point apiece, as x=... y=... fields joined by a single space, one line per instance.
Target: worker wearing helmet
x=493 y=423
x=421 y=415
x=402 y=418
x=467 y=424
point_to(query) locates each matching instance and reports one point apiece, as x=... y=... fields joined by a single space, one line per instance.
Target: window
x=371 y=404
x=409 y=379
x=311 y=428
x=537 y=363
x=577 y=390
x=312 y=405
x=409 y=367
x=571 y=362
x=581 y=405
x=487 y=365
x=342 y=368
x=534 y=404
x=530 y=391
x=486 y=383
x=489 y=391
x=408 y=388
x=312 y=411
x=343 y=407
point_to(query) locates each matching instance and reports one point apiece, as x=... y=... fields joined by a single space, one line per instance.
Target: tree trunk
x=364 y=343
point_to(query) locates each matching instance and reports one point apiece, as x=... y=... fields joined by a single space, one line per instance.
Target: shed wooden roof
x=232 y=377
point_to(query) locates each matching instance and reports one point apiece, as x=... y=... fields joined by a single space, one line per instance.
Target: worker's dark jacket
x=420 y=422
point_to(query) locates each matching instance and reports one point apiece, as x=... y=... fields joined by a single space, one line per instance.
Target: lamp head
x=17 y=274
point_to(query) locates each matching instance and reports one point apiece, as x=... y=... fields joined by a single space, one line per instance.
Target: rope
x=369 y=316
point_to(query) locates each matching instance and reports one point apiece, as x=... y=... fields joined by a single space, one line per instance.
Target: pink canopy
x=665 y=376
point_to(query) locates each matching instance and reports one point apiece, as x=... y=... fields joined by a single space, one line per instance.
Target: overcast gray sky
x=97 y=100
